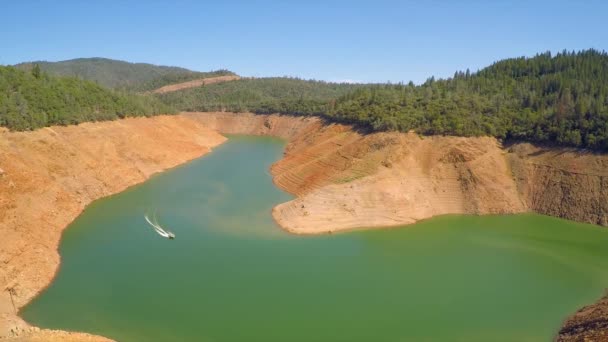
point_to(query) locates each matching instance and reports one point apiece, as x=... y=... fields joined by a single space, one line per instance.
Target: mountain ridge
x=113 y=73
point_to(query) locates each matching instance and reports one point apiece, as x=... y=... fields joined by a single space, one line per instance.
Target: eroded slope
x=345 y=179
x=562 y=182
x=282 y=126
x=48 y=176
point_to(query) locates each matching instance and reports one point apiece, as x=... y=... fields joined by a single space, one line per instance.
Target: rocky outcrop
x=51 y=174
x=587 y=324
x=566 y=183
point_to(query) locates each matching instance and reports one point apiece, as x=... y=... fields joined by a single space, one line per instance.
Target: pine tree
x=36 y=71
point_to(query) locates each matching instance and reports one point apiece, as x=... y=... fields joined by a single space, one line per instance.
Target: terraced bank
x=347 y=179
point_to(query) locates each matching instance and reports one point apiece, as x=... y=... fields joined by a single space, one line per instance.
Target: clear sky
x=330 y=40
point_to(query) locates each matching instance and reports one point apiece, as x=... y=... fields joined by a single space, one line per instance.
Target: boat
x=158 y=228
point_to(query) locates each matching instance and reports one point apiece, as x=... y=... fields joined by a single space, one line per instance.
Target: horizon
x=553 y=54
x=334 y=42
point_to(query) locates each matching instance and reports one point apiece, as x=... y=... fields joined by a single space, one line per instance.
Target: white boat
x=158 y=228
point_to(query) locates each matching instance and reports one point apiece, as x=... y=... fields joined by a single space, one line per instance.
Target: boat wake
x=158 y=228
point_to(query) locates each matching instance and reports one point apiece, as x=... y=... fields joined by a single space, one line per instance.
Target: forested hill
x=262 y=95
x=561 y=99
x=121 y=75
x=32 y=99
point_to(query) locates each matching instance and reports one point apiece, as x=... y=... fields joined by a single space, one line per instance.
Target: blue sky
x=331 y=40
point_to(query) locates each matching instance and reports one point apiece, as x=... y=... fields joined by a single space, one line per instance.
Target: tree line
x=115 y=74
x=33 y=99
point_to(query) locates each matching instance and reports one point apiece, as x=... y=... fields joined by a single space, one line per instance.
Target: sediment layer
x=48 y=177
x=562 y=182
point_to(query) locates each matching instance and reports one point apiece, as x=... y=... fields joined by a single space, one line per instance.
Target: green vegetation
x=261 y=95
x=560 y=99
x=34 y=99
x=121 y=75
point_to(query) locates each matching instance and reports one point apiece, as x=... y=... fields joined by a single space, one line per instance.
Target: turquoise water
x=232 y=274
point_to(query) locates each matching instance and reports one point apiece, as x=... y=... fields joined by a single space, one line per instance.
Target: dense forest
x=121 y=75
x=561 y=99
x=32 y=99
x=261 y=95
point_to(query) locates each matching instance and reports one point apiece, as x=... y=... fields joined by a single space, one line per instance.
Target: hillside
x=559 y=100
x=194 y=83
x=29 y=100
x=119 y=74
x=261 y=95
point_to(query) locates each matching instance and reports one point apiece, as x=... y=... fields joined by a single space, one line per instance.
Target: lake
x=232 y=274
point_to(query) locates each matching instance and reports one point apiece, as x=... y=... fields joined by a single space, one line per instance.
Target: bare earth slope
x=282 y=126
x=386 y=179
x=347 y=179
x=195 y=83
x=588 y=324
x=344 y=179
x=562 y=182
x=48 y=176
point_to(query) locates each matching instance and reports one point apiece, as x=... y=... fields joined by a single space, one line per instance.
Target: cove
x=232 y=274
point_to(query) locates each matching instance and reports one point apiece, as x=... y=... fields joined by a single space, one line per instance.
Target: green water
x=232 y=275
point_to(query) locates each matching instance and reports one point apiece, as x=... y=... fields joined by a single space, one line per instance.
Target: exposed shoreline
x=341 y=178
x=414 y=177
x=52 y=174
